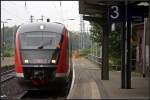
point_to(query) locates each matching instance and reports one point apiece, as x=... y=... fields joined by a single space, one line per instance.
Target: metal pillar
x=123 y=55
x=13 y=42
x=96 y=50
x=81 y=30
x=149 y=37
x=1 y=44
x=128 y=67
x=3 y=47
x=105 y=70
x=123 y=48
x=149 y=45
x=126 y=50
x=105 y=64
x=31 y=18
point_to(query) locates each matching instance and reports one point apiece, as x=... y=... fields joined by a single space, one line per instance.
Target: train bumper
x=28 y=78
x=57 y=82
x=19 y=75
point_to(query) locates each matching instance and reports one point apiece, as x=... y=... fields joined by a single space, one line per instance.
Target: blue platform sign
x=116 y=13
x=134 y=13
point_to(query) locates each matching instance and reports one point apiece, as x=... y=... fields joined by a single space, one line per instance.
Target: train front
x=38 y=48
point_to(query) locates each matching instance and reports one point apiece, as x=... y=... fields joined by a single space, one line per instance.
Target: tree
x=96 y=32
x=75 y=39
x=9 y=39
x=114 y=41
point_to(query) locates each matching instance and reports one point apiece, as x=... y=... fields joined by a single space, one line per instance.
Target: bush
x=8 y=52
x=114 y=63
x=84 y=52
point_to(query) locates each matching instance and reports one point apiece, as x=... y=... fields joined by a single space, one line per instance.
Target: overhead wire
x=61 y=11
x=17 y=9
x=27 y=11
x=11 y=13
x=15 y=6
x=53 y=3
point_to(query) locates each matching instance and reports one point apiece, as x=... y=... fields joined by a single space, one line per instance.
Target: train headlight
x=26 y=61
x=42 y=27
x=53 y=61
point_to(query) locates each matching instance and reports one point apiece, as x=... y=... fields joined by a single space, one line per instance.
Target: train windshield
x=39 y=40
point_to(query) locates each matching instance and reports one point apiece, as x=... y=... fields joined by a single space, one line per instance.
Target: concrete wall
x=142 y=50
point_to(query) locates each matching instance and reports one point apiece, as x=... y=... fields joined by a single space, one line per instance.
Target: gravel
x=7 y=67
x=10 y=89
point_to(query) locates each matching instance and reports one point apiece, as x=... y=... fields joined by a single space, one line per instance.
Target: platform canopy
x=98 y=7
x=105 y=12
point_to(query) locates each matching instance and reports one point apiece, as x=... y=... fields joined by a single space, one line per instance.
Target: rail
x=8 y=71
x=7 y=75
x=98 y=60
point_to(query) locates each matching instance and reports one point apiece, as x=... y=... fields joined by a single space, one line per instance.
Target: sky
x=56 y=11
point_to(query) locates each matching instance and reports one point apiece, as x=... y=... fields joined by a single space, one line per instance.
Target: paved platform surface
x=88 y=84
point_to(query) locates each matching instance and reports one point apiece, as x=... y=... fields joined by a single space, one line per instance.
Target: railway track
x=7 y=75
x=53 y=93
x=7 y=72
x=40 y=94
x=22 y=95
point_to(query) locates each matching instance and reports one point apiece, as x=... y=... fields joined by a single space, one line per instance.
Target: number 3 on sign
x=115 y=13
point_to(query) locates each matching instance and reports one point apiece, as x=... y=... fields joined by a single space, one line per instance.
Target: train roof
x=52 y=27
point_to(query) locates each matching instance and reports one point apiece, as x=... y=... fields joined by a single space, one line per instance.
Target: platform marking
x=72 y=84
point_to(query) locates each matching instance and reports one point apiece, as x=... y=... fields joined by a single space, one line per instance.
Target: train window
x=39 y=40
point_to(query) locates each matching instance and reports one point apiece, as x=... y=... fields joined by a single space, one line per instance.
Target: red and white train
x=43 y=53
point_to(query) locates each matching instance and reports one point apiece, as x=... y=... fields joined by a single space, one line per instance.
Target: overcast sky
x=55 y=10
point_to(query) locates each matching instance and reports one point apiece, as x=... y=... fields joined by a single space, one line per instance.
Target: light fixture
x=143 y=4
x=53 y=61
x=113 y=27
x=42 y=27
x=26 y=61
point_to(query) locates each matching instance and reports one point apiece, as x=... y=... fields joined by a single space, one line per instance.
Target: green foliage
x=115 y=47
x=114 y=42
x=96 y=32
x=96 y=49
x=9 y=35
x=75 y=39
x=8 y=54
x=114 y=63
x=84 y=52
x=8 y=51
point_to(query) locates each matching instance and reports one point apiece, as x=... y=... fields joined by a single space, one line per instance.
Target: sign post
x=131 y=14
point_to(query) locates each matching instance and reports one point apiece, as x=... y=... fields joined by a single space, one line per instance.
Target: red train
x=43 y=54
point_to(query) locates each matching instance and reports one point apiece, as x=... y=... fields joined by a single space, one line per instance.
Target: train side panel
x=63 y=64
x=18 y=65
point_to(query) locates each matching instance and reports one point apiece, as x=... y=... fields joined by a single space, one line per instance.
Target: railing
x=95 y=59
x=98 y=60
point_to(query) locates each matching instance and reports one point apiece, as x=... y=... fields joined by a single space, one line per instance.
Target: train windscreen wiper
x=40 y=47
x=45 y=44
